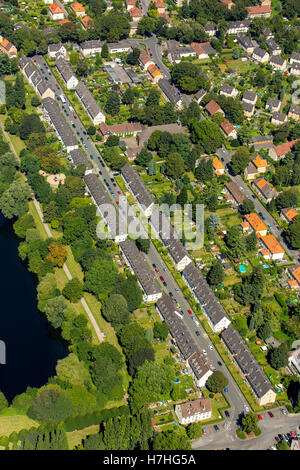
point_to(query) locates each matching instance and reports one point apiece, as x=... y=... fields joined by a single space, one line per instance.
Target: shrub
x=240 y=434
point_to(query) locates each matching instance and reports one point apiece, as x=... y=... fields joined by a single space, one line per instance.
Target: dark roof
x=277 y=60
x=169 y=90
x=234 y=189
x=239 y=24
x=92 y=44
x=277 y=116
x=259 y=52
x=145 y=276
x=245 y=41
x=114 y=223
x=64 y=69
x=244 y=358
x=87 y=99
x=249 y=96
x=79 y=158
x=227 y=89
x=137 y=187
x=272 y=45
x=59 y=122
x=200 y=94
x=296 y=56
x=204 y=294
x=178 y=330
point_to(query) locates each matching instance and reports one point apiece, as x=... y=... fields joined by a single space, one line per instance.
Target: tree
x=247 y=206
x=57 y=254
x=194 y=430
x=82 y=67
x=105 y=51
x=91 y=130
x=216 y=382
x=240 y=160
x=51 y=405
x=171 y=440
x=112 y=141
x=101 y=277
x=251 y=241
x=216 y=274
x=31 y=124
x=174 y=165
x=143 y=244
x=264 y=331
x=133 y=57
x=235 y=242
x=19 y=92
x=143 y=157
x=35 y=101
x=130 y=289
x=115 y=309
x=55 y=311
x=72 y=371
x=204 y=171
x=278 y=357
x=14 y=201
x=293 y=234
x=3 y=401
x=161 y=330
x=128 y=96
x=112 y=106
x=249 y=422
x=206 y=134
x=73 y=290
x=214 y=221
x=23 y=224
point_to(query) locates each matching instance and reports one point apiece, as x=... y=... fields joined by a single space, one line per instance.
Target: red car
x=259 y=416
x=75 y=117
x=156 y=270
x=293 y=434
x=119 y=192
x=117 y=202
x=161 y=278
x=190 y=312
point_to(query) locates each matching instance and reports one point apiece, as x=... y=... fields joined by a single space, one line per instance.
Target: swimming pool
x=242 y=268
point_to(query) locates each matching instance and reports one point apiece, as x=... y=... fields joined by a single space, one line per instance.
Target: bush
x=240 y=433
x=257 y=432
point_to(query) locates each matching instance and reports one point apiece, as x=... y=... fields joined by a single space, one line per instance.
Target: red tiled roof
x=262 y=9
x=212 y=107
x=135 y=12
x=283 y=149
x=227 y=127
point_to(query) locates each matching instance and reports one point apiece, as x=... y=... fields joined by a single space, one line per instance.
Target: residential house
x=272 y=249
x=236 y=27
x=176 y=55
x=78 y=9
x=260 y=55
x=278 y=118
x=295 y=58
x=199 y=368
x=89 y=103
x=229 y=91
x=261 y=11
x=155 y=73
x=273 y=105
x=200 y=52
x=115 y=226
x=136 y=15
x=212 y=108
x=211 y=29
x=228 y=129
x=228 y=3
x=248 y=109
x=119 y=47
x=87 y=22
x=265 y=190
x=193 y=411
x=218 y=166
x=249 y=97
x=272 y=45
x=145 y=61
x=267 y=33
x=258 y=381
x=294 y=112
x=200 y=95
x=236 y=195
x=90 y=48
x=55 y=118
x=256 y=224
x=7 y=48
x=210 y=305
x=130 y=4
x=256 y=166
x=247 y=43
x=138 y=189
x=137 y=265
x=264 y=142
x=54 y=50
x=66 y=73
x=170 y=92
x=56 y=12
x=294 y=272
x=288 y=214
x=78 y=158
x=122 y=130
x=283 y=149
x=278 y=62
x=295 y=69
x=207 y=48
x=160 y=5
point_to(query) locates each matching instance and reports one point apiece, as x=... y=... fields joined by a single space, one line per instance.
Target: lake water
x=32 y=345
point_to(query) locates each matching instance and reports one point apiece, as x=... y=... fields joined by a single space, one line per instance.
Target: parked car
x=283 y=411
x=190 y=312
x=161 y=278
x=227 y=414
x=259 y=416
x=156 y=270
x=211 y=347
x=197 y=333
x=219 y=363
x=216 y=428
x=204 y=352
x=277 y=439
x=270 y=414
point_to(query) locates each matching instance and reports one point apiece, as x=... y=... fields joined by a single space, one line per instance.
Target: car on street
x=283 y=411
x=216 y=428
x=117 y=202
x=203 y=431
x=190 y=312
x=156 y=270
x=227 y=414
x=246 y=408
x=75 y=117
x=204 y=352
x=226 y=389
x=161 y=278
x=293 y=434
x=219 y=363
x=277 y=439
x=211 y=347
x=119 y=192
x=164 y=283
x=197 y=333
x=171 y=294
x=259 y=416
x=270 y=414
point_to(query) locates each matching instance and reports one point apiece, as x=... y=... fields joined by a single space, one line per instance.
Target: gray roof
x=23 y=61
x=277 y=116
x=64 y=69
x=145 y=276
x=227 y=89
x=114 y=223
x=59 y=122
x=79 y=158
x=256 y=377
x=178 y=330
x=55 y=47
x=296 y=56
x=273 y=102
x=249 y=96
x=294 y=109
x=42 y=87
x=272 y=45
x=29 y=69
x=200 y=94
x=259 y=52
x=277 y=60
x=87 y=99
x=92 y=44
x=210 y=27
x=204 y=294
x=239 y=24
x=35 y=78
x=246 y=41
x=169 y=90
x=136 y=186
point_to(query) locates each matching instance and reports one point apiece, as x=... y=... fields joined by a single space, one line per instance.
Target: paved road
x=270 y=427
x=155 y=52
x=275 y=229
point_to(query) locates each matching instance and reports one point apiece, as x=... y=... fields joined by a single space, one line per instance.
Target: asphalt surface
x=273 y=227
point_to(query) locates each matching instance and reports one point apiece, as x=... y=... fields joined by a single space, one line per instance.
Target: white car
x=211 y=347
x=246 y=408
x=204 y=352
